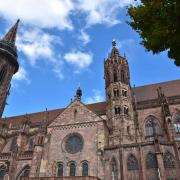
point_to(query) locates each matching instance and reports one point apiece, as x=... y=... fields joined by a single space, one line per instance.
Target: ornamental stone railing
x=26 y=155
x=5 y=156
x=62 y=178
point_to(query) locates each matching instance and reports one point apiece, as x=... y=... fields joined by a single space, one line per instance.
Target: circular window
x=73 y=144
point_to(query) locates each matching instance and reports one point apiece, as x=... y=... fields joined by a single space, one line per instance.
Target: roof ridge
x=163 y=82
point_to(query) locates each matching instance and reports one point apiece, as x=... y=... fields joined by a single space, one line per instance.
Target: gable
x=75 y=113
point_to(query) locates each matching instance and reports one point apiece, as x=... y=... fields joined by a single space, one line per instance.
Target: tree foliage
x=158 y=24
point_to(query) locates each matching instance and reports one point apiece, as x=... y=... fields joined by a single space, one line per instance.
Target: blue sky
x=62 y=44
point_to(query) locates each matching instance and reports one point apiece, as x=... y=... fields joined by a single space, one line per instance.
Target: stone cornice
x=76 y=125
x=136 y=145
x=154 y=103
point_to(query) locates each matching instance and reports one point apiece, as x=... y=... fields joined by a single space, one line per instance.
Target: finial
x=114 y=43
x=79 y=93
x=10 y=37
x=45 y=116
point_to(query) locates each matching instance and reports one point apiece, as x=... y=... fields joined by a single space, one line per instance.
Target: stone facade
x=133 y=135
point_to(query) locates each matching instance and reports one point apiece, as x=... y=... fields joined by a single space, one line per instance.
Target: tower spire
x=10 y=37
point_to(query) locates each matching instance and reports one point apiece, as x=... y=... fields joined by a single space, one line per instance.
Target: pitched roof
x=37 y=118
x=143 y=93
x=148 y=92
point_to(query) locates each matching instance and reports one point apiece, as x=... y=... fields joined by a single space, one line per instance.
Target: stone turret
x=118 y=95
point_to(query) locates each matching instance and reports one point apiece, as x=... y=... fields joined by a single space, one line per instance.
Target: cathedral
x=133 y=135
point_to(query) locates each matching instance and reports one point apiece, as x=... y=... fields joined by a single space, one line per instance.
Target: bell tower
x=8 y=64
x=119 y=111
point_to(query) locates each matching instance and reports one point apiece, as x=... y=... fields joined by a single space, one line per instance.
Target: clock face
x=73 y=144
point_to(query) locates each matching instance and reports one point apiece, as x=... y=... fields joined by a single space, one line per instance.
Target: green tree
x=158 y=24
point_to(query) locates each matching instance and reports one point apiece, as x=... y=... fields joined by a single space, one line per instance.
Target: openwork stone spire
x=8 y=64
x=10 y=37
x=114 y=51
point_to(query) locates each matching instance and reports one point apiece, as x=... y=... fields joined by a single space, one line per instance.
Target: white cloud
x=21 y=75
x=102 y=11
x=96 y=97
x=37 y=45
x=80 y=59
x=40 y=13
x=58 y=13
x=84 y=37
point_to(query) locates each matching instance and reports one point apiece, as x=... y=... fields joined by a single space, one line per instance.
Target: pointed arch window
x=114 y=169
x=168 y=160
x=60 y=169
x=152 y=128
x=122 y=76
x=116 y=92
x=31 y=143
x=117 y=110
x=85 y=169
x=2 y=171
x=124 y=92
x=13 y=146
x=2 y=73
x=151 y=161
x=177 y=123
x=72 y=169
x=23 y=173
x=126 y=110
x=132 y=163
x=115 y=76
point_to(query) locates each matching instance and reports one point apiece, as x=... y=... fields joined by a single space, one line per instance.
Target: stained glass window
x=85 y=169
x=151 y=161
x=152 y=127
x=168 y=159
x=177 y=123
x=114 y=170
x=132 y=163
x=73 y=144
x=60 y=169
x=72 y=169
x=2 y=172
